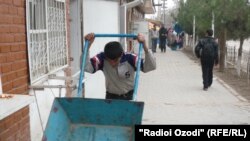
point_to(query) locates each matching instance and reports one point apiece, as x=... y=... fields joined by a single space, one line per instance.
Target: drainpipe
x=123 y=19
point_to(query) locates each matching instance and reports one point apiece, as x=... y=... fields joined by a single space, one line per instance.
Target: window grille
x=46 y=33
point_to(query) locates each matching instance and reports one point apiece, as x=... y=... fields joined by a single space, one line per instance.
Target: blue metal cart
x=84 y=119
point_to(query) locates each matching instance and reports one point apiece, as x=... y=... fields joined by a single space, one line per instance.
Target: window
x=46 y=35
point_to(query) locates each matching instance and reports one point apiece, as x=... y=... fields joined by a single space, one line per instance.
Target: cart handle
x=85 y=50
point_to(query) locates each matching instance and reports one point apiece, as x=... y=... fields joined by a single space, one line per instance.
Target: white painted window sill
x=9 y=106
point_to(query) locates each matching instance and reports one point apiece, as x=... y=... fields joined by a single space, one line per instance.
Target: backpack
x=207 y=49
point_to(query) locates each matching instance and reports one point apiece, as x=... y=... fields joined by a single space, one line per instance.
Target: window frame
x=44 y=39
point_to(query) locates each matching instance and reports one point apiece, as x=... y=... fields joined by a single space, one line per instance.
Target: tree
x=239 y=25
x=197 y=8
x=232 y=20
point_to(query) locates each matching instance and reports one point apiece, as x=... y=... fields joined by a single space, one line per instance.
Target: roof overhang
x=156 y=22
x=148 y=7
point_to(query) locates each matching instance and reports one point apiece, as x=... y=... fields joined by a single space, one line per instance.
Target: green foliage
x=234 y=15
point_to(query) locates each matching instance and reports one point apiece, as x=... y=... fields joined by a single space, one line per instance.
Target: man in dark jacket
x=162 y=37
x=207 y=51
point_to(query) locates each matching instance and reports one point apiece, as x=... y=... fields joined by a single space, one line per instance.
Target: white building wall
x=100 y=16
x=40 y=109
x=141 y=26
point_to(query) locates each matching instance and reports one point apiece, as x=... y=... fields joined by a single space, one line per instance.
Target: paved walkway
x=173 y=95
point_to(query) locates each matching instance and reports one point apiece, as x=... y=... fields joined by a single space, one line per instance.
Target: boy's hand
x=90 y=37
x=141 y=39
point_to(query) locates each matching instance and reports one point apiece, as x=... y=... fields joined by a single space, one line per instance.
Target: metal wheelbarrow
x=85 y=119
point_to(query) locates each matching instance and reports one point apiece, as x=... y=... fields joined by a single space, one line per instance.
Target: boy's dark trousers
x=127 y=96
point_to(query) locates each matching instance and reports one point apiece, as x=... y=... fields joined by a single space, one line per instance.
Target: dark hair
x=113 y=50
x=209 y=32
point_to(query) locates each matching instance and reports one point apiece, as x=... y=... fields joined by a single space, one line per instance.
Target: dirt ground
x=240 y=85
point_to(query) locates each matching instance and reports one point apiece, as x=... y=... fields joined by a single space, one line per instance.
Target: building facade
x=40 y=48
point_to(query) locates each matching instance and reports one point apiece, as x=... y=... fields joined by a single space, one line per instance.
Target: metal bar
x=57 y=27
x=39 y=111
x=60 y=92
x=28 y=26
x=116 y=35
x=85 y=49
x=47 y=27
x=137 y=72
x=53 y=76
x=60 y=33
x=50 y=86
x=65 y=31
x=39 y=31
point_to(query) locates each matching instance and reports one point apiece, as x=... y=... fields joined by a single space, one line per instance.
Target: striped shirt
x=120 y=80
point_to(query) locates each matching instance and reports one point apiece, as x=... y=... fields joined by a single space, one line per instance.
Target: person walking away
x=207 y=51
x=154 y=34
x=162 y=37
x=119 y=67
x=181 y=40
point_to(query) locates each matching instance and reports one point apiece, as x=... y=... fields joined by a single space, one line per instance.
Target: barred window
x=46 y=33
